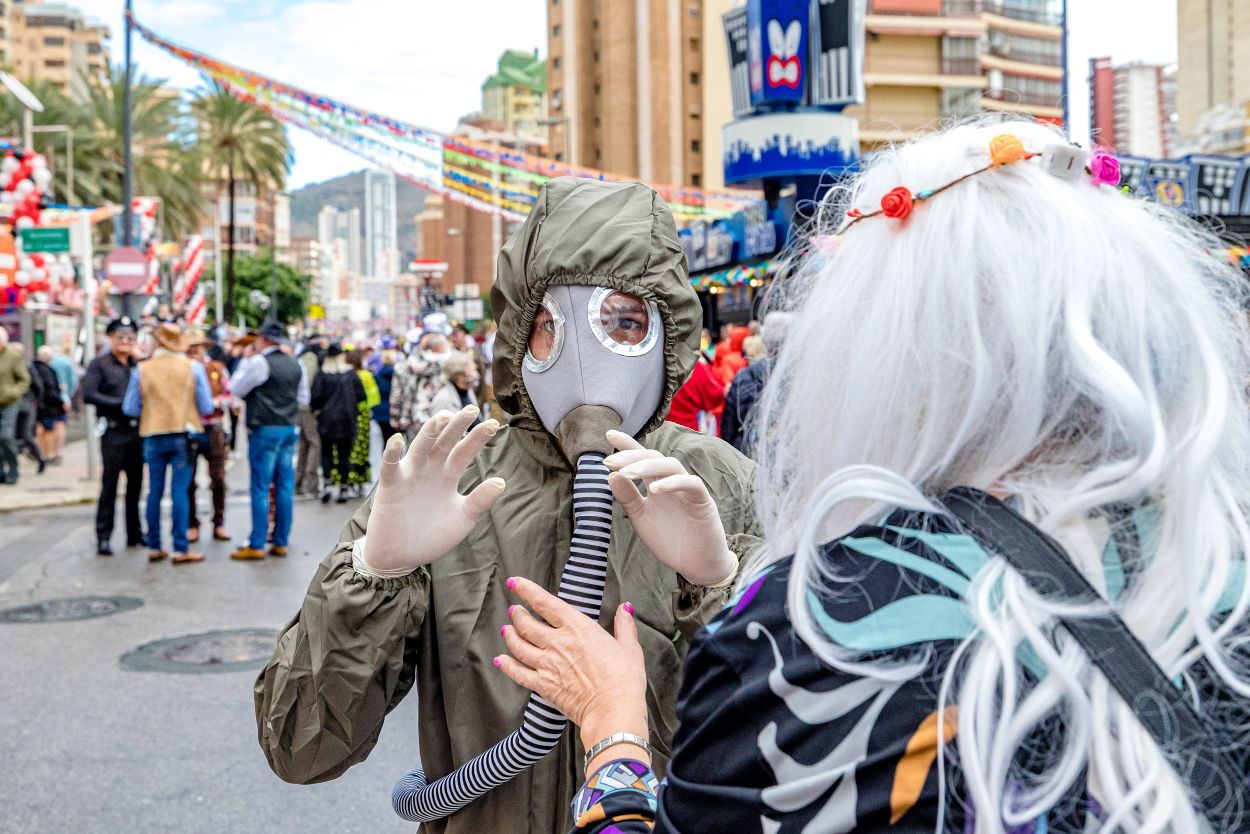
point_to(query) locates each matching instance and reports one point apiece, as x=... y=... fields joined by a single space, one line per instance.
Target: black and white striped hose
x=581 y=586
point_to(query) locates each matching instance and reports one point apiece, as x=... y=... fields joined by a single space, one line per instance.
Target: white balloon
x=39 y=163
x=64 y=260
x=40 y=273
x=27 y=263
x=23 y=188
x=24 y=223
x=43 y=178
x=22 y=278
x=10 y=164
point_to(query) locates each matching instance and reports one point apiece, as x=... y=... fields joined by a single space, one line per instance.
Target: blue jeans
x=271 y=457
x=161 y=451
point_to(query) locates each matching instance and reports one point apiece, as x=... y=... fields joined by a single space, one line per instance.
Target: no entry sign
x=127 y=268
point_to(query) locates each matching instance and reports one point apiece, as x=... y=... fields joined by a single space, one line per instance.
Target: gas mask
x=595 y=362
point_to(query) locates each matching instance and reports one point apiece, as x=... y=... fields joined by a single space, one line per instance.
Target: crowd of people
x=984 y=571
x=36 y=398
x=167 y=395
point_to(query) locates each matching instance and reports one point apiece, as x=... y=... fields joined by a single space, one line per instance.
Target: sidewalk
x=56 y=487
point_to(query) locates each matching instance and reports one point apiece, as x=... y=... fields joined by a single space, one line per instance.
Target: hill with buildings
x=347 y=192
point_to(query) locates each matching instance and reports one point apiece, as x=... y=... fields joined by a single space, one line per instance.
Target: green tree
x=255 y=273
x=163 y=160
x=238 y=142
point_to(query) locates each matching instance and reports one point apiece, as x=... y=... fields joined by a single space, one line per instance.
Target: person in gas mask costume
x=598 y=327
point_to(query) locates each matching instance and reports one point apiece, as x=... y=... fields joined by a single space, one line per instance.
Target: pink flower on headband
x=1104 y=168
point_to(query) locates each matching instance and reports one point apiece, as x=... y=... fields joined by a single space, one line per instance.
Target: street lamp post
x=564 y=135
x=69 y=155
x=127 y=162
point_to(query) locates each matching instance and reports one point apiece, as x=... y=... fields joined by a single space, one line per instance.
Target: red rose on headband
x=898 y=203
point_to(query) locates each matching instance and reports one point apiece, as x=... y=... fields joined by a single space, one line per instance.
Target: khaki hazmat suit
x=359 y=644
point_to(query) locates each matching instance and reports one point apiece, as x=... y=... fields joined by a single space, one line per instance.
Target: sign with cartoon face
x=777 y=46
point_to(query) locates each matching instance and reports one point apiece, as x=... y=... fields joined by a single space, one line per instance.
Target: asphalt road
x=89 y=746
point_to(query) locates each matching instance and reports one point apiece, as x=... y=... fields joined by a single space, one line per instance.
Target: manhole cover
x=213 y=651
x=62 y=610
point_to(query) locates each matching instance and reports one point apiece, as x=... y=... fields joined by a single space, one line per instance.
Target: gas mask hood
x=594 y=362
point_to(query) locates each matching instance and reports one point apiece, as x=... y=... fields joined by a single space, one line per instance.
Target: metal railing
x=1019 y=12
x=961 y=8
x=961 y=66
x=1021 y=97
x=1028 y=56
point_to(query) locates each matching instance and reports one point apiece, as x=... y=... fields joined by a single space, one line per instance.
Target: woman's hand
x=597 y=680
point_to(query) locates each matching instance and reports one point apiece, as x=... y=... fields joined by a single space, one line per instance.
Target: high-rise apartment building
x=1214 y=58
x=629 y=86
x=1132 y=107
x=53 y=42
x=341 y=225
x=452 y=232
x=381 y=234
x=929 y=61
x=306 y=255
x=515 y=96
x=1213 y=76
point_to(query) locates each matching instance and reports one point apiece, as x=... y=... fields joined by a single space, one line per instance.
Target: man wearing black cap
x=273 y=386
x=121 y=448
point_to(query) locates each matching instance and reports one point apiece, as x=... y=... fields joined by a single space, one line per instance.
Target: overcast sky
x=424 y=61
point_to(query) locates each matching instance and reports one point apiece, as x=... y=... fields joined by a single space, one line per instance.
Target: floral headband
x=1062 y=160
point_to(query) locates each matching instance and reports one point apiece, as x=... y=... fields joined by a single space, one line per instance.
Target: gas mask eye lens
x=624 y=323
x=546 y=336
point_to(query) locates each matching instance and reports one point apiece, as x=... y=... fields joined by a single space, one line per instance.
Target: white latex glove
x=678 y=520
x=418 y=512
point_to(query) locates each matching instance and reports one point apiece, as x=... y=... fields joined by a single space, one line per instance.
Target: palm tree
x=57 y=110
x=239 y=142
x=162 y=146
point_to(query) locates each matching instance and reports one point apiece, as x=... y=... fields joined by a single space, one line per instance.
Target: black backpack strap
x=1160 y=706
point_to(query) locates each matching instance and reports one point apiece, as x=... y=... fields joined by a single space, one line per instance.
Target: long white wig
x=1058 y=341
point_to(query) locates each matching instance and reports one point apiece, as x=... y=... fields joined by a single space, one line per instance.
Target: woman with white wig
x=992 y=341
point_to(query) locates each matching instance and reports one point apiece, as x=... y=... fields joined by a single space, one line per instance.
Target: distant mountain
x=347 y=192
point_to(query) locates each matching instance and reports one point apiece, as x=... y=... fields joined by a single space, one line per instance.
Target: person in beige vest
x=168 y=393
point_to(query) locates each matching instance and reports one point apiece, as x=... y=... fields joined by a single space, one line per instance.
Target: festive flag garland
x=485 y=177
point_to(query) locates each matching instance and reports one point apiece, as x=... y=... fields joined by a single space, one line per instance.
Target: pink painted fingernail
x=511 y=608
x=511 y=583
x=503 y=631
x=629 y=608
x=497 y=661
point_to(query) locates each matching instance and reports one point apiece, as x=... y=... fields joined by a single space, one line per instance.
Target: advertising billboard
x=837 y=76
x=788 y=145
x=735 y=21
x=777 y=49
x=1198 y=184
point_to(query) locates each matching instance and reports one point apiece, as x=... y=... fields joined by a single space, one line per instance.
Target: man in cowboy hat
x=211 y=443
x=121 y=449
x=272 y=385
x=168 y=393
